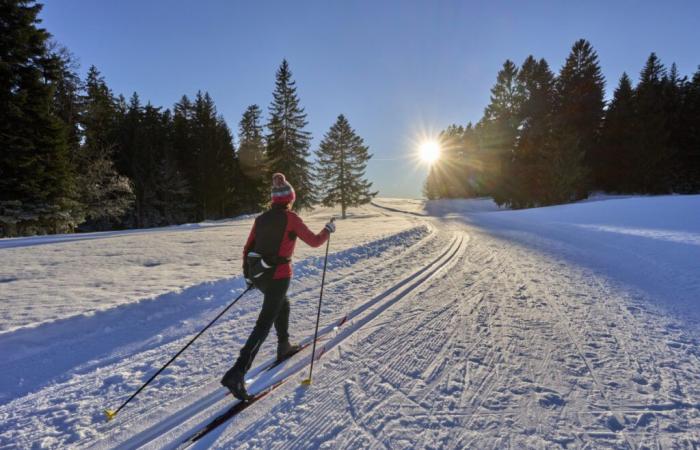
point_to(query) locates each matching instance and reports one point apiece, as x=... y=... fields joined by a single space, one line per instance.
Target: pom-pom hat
x=282 y=192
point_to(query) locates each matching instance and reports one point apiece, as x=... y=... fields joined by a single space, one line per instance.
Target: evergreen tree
x=104 y=193
x=342 y=160
x=36 y=178
x=215 y=160
x=530 y=156
x=618 y=141
x=68 y=101
x=687 y=164
x=499 y=130
x=472 y=166
x=654 y=155
x=253 y=187
x=287 y=141
x=578 y=117
x=674 y=97
x=183 y=144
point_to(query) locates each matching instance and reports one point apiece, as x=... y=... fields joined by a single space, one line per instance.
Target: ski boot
x=285 y=350
x=234 y=381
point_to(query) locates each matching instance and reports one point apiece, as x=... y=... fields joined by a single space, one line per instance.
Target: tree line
x=77 y=156
x=546 y=139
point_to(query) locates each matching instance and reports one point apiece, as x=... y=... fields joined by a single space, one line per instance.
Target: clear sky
x=394 y=68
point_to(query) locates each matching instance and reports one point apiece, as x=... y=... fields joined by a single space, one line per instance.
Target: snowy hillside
x=467 y=327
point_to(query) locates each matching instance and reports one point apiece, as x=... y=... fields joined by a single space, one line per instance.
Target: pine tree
x=105 y=194
x=688 y=157
x=530 y=156
x=253 y=187
x=287 y=141
x=654 y=155
x=36 y=178
x=578 y=117
x=499 y=130
x=342 y=160
x=67 y=99
x=474 y=185
x=618 y=141
x=183 y=145
x=674 y=97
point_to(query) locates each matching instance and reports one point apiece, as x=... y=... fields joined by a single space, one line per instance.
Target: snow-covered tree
x=342 y=160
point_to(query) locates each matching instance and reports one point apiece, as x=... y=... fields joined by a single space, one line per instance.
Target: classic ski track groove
x=328 y=409
x=210 y=401
x=423 y=275
x=212 y=387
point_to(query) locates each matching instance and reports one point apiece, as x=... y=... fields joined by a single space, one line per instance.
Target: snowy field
x=575 y=326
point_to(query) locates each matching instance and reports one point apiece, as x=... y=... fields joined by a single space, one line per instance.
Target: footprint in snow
x=114 y=379
x=551 y=400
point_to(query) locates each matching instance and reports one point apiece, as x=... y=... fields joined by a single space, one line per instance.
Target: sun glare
x=429 y=151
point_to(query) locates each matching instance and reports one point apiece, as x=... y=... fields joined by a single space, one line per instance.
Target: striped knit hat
x=282 y=191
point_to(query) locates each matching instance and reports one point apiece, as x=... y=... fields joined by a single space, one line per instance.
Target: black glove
x=246 y=274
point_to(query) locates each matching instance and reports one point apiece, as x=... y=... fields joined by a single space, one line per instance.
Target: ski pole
x=307 y=381
x=110 y=414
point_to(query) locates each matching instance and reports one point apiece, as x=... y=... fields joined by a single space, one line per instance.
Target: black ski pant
x=275 y=310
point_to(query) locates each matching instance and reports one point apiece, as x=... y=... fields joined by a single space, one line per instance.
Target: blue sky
x=396 y=69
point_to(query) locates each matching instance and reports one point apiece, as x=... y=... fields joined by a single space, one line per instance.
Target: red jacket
x=274 y=233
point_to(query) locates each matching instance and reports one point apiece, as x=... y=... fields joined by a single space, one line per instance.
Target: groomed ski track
x=170 y=432
x=512 y=347
x=462 y=336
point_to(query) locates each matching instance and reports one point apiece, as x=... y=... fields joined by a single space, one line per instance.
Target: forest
x=77 y=157
x=549 y=138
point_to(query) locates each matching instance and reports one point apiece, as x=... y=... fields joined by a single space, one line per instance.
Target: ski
x=239 y=406
x=229 y=414
x=276 y=362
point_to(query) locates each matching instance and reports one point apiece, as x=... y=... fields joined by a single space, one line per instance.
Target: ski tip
x=306 y=382
x=110 y=414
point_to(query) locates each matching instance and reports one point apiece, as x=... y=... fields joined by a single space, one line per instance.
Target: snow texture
x=574 y=326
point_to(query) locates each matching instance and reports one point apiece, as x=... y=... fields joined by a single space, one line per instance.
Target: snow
x=46 y=278
x=470 y=327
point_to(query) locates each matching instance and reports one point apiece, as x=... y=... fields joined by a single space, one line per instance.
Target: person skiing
x=267 y=266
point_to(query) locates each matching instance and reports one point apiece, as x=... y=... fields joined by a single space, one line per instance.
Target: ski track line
x=432 y=235
x=215 y=397
x=454 y=249
x=327 y=412
x=401 y=350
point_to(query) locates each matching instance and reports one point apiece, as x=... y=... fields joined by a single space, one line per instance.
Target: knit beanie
x=282 y=191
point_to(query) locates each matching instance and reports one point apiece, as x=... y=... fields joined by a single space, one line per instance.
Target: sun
x=429 y=151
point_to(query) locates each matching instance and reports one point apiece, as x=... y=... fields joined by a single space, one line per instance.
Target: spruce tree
x=105 y=194
x=287 y=141
x=530 y=156
x=618 y=141
x=578 y=117
x=654 y=155
x=253 y=187
x=674 y=97
x=499 y=130
x=342 y=160
x=688 y=157
x=214 y=158
x=36 y=178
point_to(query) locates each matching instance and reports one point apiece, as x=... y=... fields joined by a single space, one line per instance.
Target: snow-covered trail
x=469 y=331
x=513 y=348
x=73 y=368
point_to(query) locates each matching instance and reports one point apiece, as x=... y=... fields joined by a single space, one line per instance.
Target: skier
x=267 y=265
